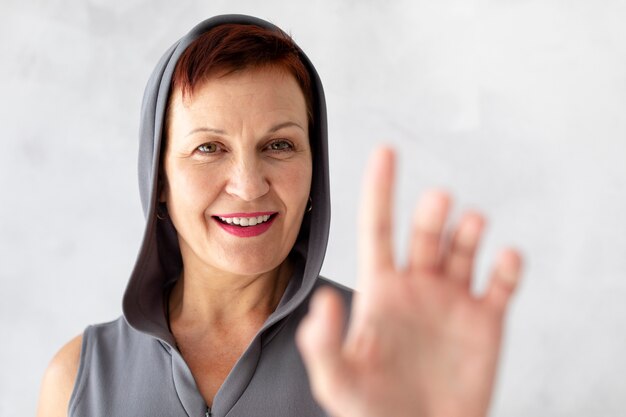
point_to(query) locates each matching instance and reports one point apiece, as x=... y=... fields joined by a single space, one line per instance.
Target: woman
x=233 y=172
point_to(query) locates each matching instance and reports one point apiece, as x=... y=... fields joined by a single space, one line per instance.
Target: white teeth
x=245 y=221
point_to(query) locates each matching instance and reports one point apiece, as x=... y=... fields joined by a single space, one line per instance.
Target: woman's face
x=238 y=170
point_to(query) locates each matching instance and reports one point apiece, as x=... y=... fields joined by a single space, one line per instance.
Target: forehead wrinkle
x=229 y=111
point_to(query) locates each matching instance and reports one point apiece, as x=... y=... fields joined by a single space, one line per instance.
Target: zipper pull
x=208 y=412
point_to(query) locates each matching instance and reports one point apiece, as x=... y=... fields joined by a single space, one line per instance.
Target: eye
x=210 y=147
x=280 y=145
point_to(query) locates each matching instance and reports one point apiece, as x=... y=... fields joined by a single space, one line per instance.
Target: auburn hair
x=233 y=47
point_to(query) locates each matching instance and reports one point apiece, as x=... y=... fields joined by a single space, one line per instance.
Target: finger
x=459 y=261
x=319 y=338
x=428 y=223
x=504 y=279
x=375 y=225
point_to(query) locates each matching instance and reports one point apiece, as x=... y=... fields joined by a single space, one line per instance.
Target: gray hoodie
x=131 y=367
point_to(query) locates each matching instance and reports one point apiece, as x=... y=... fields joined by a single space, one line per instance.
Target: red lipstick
x=245 y=231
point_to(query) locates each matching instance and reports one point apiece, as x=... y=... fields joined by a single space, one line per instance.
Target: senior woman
x=233 y=172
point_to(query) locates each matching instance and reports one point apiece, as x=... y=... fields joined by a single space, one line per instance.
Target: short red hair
x=233 y=47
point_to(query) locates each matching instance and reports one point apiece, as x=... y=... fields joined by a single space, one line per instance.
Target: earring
x=161 y=211
x=310 y=207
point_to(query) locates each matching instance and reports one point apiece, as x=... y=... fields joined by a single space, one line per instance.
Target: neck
x=200 y=300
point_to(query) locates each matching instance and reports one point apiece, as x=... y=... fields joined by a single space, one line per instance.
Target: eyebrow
x=273 y=129
x=284 y=125
x=206 y=129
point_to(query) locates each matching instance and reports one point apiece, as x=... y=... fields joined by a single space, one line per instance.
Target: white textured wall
x=516 y=106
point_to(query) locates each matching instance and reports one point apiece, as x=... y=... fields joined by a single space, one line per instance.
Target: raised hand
x=419 y=343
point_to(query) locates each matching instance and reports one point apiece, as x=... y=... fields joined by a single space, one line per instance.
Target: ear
x=162 y=189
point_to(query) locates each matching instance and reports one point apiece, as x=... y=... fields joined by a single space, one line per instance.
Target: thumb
x=320 y=338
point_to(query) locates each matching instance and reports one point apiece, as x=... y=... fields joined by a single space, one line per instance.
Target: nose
x=247 y=180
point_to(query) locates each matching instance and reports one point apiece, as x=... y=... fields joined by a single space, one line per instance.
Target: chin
x=236 y=259
x=248 y=268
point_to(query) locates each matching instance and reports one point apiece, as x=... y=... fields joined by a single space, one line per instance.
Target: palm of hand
x=419 y=342
x=423 y=345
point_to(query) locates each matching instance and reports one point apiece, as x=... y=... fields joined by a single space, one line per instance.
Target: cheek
x=297 y=184
x=190 y=187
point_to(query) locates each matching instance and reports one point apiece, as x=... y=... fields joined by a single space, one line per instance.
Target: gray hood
x=159 y=262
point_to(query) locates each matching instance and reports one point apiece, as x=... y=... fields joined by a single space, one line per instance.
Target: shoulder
x=58 y=380
x=63 y=373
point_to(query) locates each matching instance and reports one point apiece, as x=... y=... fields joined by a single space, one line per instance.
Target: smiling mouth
x=245 y=221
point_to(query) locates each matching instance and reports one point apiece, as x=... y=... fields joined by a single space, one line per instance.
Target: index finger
x=375 y=213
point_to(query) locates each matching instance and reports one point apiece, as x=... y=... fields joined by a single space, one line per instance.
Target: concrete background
x=518 y=107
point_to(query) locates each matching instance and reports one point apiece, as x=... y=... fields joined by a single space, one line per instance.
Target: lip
x=247 y=231
x=254 y=214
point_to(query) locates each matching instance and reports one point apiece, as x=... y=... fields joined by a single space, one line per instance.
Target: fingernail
x=511 y=266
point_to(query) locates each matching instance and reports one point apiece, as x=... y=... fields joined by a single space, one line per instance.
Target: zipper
x=208 y=412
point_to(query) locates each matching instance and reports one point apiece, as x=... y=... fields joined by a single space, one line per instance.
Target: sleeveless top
x=124 y=372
